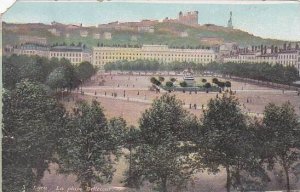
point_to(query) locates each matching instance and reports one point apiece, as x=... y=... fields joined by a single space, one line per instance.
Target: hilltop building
x=229 y=24
x=161 y=53
x=107 y=35
x=130 y=26
x=183 y=34
x=32 y=39
x=83 y=33
x=96 y=35
x=54 y=32
x=188 y=18
x=10 y=27
x=146 y=29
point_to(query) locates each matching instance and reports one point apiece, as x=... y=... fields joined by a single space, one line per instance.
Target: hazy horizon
x=274 y=21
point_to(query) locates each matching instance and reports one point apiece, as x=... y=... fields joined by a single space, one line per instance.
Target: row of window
x=169 y=60
x=147 y=57
x=65 y=54
x=280 y=62
x=150 y=54
x=287 y=56
x=255 y=59
x=73 y=60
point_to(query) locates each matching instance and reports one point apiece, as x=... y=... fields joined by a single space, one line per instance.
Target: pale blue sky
x=280 y=21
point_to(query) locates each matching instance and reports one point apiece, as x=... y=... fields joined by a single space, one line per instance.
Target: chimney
x=289 y=46
x=272 y=49
x=284 y=46
x=252 y=48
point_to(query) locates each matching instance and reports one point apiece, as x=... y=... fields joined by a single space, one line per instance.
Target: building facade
x=31 y=50
x=160 y=53
x=189 y=18
x=107 y=35
x=146 y=29
x=74 y=54
x=284 y=57
x=32 y=39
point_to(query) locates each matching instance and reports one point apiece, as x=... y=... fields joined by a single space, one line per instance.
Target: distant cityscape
x=287 y=54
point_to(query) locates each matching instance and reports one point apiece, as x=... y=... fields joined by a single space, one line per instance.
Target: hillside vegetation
x=164 y=33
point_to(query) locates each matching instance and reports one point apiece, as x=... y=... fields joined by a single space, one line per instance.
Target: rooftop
x=69 y=49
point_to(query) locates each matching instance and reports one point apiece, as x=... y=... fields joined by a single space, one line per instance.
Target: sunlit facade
x=160 y=53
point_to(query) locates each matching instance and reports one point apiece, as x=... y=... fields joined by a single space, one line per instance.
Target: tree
x=183 y=84
x=169 y=84
x=228 y=84
x=70 y=75
x=161 y=79
x=10 y=72
x=160 y=157
x=133 y=178
x=221 y=84
x=204 y=80
x=172 y=79
x=215 y=80
x=207 y=85
x=85 y=70
x=91 y=145
x=32 y=121
x=56 y=79
x=154 y=81
x=226 y=141
x=281 y=136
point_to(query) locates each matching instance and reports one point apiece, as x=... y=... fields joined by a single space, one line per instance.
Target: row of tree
x=152 y=65
x=259 y=71
x=56 y=74
x=171 y=144
x=167 y=147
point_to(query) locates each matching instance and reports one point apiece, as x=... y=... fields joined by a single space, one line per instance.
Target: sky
x=270 y=20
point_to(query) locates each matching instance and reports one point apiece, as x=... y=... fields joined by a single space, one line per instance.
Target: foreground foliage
x=90 y=145
x=31 y=125
x=160 y=156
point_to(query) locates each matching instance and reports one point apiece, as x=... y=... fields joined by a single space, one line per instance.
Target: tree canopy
x=160 y=157
x=31 y=124
x=90 y=145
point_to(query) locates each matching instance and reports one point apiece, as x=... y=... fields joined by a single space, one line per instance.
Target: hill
x=172 y=34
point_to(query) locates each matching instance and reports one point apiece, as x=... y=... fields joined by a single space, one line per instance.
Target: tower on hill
x=229 y=25
x=188 y=18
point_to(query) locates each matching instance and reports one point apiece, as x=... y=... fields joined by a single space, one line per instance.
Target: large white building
x=161 y=53
x=74 y=54
x=31 y=50
x=284 y=57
